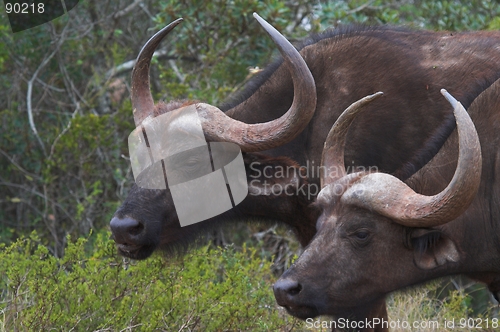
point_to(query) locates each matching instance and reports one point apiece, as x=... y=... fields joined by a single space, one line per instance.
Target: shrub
x=207 y=290
x=93 y=289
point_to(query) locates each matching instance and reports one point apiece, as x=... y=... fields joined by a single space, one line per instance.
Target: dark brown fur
x=341 y=270
x=403 y=130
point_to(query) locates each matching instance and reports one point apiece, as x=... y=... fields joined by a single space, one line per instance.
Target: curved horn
x=142 y=101
x=332 y=159
x=217 y=126
x=392 y=198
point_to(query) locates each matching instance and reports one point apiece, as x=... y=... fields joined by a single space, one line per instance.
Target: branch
x=30 y=111
x=29 y=93
x=129 y=65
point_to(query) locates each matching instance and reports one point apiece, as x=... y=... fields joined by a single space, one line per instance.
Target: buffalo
x=346 y=64
x=377 y=234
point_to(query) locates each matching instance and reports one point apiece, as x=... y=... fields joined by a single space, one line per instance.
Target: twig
x=360 y=8
x=126 y=10
x=177 y=72
x=144 y=9
x=63 y=131
x=127 y=66
x=129 y=328
x=49 y=87
x=70 y=87
x=13 y=162
x=185 y=324
x=34 y=192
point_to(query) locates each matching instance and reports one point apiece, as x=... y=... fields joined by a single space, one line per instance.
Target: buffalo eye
x=361 y=235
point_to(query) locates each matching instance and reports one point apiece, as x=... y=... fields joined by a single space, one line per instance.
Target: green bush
x=93 y=289
x=207 y=290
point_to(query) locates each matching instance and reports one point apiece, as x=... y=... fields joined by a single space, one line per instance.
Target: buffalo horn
x=332 y=158
x=388 y=196
x=217 y=126
x=142 y=100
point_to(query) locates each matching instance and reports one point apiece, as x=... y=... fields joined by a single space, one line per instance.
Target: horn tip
x=267 y=27
x=450 y=98
x=372 y=97
x=261 y=20
x=174 y=23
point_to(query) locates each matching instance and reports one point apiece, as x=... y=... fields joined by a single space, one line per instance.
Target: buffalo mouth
x=302 y=311
x=135 y=252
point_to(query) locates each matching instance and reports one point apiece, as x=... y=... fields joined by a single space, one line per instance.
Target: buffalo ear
x=432 y=248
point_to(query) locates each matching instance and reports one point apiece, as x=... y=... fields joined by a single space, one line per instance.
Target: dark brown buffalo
x=346 y=64
x=376 y=234
x=147 y=219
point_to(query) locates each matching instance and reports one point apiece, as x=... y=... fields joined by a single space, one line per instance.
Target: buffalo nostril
x=287 y=286
x=124 y=228
x=295 y=290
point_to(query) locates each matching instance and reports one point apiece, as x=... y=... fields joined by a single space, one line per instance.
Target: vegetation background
x=65 y=117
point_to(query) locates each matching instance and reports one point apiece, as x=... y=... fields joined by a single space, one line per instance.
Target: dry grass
x=445 y=305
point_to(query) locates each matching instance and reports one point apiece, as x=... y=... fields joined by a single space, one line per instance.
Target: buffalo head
x=376 y=234
x=147 y=219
